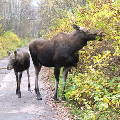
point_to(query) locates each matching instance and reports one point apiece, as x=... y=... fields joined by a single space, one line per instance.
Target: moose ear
x=15 y=52
x=8 y=52
x=76 y=27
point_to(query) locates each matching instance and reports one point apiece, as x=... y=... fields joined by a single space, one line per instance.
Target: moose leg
x=37 y=70
x=56 y=73
x=28 y=80
x=19 y=82
x=16 y=74
x=65 y=73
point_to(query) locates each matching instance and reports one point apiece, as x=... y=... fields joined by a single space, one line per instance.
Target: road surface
x=27 y=107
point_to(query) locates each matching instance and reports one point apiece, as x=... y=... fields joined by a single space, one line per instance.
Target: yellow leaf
x=106 y=100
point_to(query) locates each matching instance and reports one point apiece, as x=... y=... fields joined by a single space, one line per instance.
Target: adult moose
x=60 y=51
x=19 y=60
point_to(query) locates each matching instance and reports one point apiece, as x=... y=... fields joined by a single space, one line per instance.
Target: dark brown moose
x=19 y=60
x=60 y=51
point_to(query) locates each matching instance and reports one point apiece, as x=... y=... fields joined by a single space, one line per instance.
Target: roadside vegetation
x=10 y=41
x=93 y=88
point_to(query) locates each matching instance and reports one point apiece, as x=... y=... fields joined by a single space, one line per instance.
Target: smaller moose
x=19 y=60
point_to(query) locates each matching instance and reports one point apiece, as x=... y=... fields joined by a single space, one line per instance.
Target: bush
x=94 y=86
x=9 y=41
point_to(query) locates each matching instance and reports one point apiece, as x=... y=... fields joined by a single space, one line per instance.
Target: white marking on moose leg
x=56 y=73
x=65 y=73
x=37 y=70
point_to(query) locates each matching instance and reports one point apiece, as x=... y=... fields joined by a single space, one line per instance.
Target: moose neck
x=78 y=41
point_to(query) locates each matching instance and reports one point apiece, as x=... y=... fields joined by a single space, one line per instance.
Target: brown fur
x=61 y=50
x=19 y=60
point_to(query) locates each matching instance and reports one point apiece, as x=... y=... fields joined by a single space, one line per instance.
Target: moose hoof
x=29 y=90
x=39 y=98
x=19 y=95
x=16 y=92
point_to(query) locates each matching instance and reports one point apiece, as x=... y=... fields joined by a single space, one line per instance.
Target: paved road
x=27 y=107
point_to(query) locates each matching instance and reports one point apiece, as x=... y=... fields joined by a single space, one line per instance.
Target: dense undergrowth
x=10 y=41
x=94 y=87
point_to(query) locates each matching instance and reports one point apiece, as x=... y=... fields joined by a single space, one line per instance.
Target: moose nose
x=9 y=67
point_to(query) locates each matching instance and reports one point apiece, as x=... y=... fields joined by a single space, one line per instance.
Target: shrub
x=9 y=41
x=94 y=85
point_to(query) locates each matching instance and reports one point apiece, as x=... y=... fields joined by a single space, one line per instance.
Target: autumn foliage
x=9 y=41
x=94 y=86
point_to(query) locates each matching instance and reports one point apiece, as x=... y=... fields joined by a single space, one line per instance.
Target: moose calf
x=19 y=60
